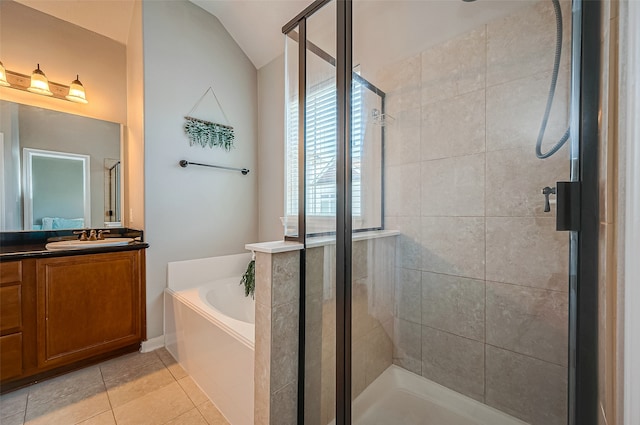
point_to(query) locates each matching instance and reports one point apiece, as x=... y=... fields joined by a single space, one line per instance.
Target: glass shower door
x=469 y=302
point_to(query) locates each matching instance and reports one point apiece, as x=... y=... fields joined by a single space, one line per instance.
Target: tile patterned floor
x=136 y=389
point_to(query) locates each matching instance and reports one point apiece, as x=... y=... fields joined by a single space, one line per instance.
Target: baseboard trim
x=152 y=344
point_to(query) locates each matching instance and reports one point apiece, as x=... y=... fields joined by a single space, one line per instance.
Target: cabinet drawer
x=10 y=309
x=11 y=272
x=10 y=356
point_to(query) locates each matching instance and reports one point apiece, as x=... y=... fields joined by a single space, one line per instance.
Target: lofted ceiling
x=384 y=30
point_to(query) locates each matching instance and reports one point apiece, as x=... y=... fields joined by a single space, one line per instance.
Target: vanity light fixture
x=3 y=76
x=76 y=92
x=39 y=84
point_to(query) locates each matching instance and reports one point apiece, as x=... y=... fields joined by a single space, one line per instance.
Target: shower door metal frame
x=583 y=301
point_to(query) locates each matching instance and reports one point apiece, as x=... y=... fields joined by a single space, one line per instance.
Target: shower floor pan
x=400 y=397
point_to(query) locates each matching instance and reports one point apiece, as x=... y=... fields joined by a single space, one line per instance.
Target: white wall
x=271 y=150
x=194 y=212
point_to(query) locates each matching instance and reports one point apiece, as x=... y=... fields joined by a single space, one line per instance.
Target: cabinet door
x=10 y=356
x=88 y=305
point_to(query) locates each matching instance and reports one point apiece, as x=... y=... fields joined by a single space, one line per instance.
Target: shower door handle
x=546 y=192
x=567 y=206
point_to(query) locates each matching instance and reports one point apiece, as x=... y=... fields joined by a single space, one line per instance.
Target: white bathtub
x=209 y=329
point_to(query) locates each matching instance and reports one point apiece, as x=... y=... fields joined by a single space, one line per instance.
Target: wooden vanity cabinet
x=60 y=313
x=88 y=305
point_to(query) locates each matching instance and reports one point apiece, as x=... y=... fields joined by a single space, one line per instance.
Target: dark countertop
x=21 y=245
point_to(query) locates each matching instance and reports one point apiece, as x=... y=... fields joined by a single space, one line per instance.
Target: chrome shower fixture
x=381 y=119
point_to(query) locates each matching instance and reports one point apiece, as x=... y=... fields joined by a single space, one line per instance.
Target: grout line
x=113 y=414
x=526 y=355
x=486 y=171
x=26 y=406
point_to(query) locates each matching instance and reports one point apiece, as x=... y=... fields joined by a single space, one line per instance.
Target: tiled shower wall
x=482 y=275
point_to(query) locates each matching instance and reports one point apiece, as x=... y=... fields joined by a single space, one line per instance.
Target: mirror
x=59 y=171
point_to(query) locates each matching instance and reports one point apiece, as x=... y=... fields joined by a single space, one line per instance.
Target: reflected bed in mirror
x=59 y=171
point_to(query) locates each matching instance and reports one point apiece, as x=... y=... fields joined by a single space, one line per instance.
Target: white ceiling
x=256 y=25
x=384 y=30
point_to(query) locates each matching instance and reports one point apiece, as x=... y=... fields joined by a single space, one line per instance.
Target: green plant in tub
x=249 y=279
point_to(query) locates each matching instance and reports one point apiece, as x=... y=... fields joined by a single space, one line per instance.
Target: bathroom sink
x=77 y=244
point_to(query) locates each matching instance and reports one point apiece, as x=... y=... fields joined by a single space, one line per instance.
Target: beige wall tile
x=314 y=269
x=263 y=278
x=409 y=248
x=262 y=368
x=358 y=366
x=454 y=245
x=530 y=389
x=454 y=127
x=528 y=321
x=363 y=319
x=156 y=407
x=313 y=329
x=383 y=271
x=515 y=110
x=453 y=361
x=408 y=298
x=328 y=391
x=361 y=253
x=454 y=304
x=401 y=82
x=407 y=345
x=454 y=186
x=523 y=43
x=285 y=278
x=454 y=67
x=329 y=328
x=527 y=251
x=284 y=345
x=515 y=179
x=402 y=190
x=379 y=353
x=284 y=406
x=313 y=388
x=402 y=138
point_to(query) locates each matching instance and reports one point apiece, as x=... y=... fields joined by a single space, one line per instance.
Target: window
x=321 y=128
